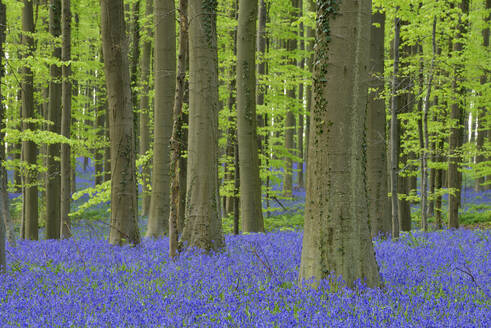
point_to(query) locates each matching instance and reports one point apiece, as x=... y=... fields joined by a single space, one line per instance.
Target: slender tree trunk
x=236 y=198
x=377 y=179
x=203 y=228
x=145 y=60
x=165 y=84
x=250 y=187
x=394 y=132
x=29 y=147
x=53 y=177
x=66 y=119
x=482 y=132
x=457 y=130
x=99 y=126
x=5 y=220
x=124 y=226
x=300 y=130
x=290 y=121
x=3 y=192
x=177 y=130
x=337 y=233
x=261 y=68
x=426 y=105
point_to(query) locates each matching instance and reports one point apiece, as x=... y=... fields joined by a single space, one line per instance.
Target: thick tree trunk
x=29 y=147
x=177 y=131
x=377 y=179
x=250 y=187
x=337 y=233
x=457 y=129
x=203 y=228
x=145 y=110
x=53 y=176
x=66 y=119
x=124 y=226
x=165 y=85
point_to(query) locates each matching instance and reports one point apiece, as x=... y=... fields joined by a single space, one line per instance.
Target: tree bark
x=250 y=187
x=66 y=119
x=203 y=228
x=145 y=60
x=53 y=176
x=394 y=133
x=290 y=120
x=177 y=131
x=377 y=179
x=165 y=85
x=124 y=227
x=337 y=235
x=457 y=130
x=29 y=147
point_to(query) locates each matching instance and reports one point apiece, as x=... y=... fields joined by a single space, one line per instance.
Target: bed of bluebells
x=438 y=279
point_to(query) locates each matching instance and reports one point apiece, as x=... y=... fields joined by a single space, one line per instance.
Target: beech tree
x=250 y=186
x=165 y=86
x=203 y=227
x=337 y=237
x=124 y=227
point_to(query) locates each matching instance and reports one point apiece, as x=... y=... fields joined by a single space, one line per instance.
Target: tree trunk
x=308 y=91
x=66 y=119
x=29 y=147
x=337 y=233
x=261 y=68
x=482 y=132
x=203 y=228
x=377 y=180
x=290 y=121
x=165 y=85
x=145 y=110
x=99 y=126
x=124 y=226
x=300 y=130
x=394 y=133
x=457 y=130
x=177 y=131
x=3 y=191
x=53 y=176
x=250 y=187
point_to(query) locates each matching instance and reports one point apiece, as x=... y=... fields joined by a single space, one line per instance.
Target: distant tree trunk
x=66 y=119
x=482 y=132
x=165 y=85
x=99 y=125
x=337 y=233
x=203 y=228
x=457 y=130
x=107 y=150
x=395 y=133
x=29 y=147
x=424 y=166
x=53 y=176
x=4 y=209
x=300 y=130
x=145 y=60
x=261 y=68
x=177 y=131
x=250 y=187
x=377 y=180
x=236 y=198
x=290 y=121
x=124 y=226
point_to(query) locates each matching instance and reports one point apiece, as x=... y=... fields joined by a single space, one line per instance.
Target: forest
x=245 y=163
